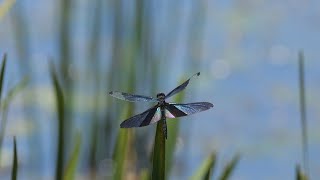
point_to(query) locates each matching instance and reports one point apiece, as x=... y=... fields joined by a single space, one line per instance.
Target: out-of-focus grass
x=61 y=120
x=5 y=7
x=299 y=174
x=72 y=164
x=5 y=106
x=121 y=149
x=303 y=115
x=93 y=53
x=145 y=174
x=229 y=168
x=3 y=67
x=4 y=102
x=206 y=169
x=14 y=173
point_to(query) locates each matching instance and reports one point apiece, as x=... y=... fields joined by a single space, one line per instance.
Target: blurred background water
x=246 y=51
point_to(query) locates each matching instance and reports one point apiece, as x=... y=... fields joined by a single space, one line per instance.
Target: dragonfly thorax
x=161 y=97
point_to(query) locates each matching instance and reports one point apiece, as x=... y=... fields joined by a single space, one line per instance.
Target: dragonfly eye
x=161 y=95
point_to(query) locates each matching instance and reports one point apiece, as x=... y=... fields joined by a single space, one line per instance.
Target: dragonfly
x=162 y=110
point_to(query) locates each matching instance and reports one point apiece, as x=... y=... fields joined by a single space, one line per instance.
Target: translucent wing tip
x=198 y=74
x=208 y=105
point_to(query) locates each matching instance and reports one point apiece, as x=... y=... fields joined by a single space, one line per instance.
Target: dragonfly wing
x=131 y=97
x=179 y=110
x=181 y=87
x=150 y=116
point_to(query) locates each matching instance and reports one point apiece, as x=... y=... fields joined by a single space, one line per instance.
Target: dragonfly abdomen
x=164 y=125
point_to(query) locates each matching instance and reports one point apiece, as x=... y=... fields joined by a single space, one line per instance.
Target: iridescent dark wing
x=178 y=110
x=150 y=116
x=131 y=97
x=181 y=87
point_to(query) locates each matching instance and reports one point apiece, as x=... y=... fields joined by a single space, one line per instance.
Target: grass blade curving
x=61 y=118
x=228 y=169
x=73 y=161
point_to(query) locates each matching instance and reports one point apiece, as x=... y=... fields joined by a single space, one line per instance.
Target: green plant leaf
x=3 y=67
x=121 y=148
x=61 y=118
x=228 y=169
x=206 y=169
x=73 y=161
x=14 y=172
x=5 y=7
x=159 y=153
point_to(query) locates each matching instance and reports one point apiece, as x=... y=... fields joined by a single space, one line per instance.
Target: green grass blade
x=73 y=161
x=206 y=169
x=299 y=174
x=61 y=114
x=145 y=174
x=303 y=115
x=159 y=153
x=228 y=169
x=122 y=147
x=5 y=6
x=3 y=67
x=120 y=153
x=14 y=172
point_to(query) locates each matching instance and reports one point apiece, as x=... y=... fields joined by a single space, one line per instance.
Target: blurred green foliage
x=5 y=7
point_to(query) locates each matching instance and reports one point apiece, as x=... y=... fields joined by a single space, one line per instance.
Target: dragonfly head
x=161 y=96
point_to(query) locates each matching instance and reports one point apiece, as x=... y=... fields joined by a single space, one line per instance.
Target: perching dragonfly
x=162 y=109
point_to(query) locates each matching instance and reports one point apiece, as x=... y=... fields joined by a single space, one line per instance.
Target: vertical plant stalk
x=61 y=115
x=159 y=153
x=303 y=114
x=14 y=172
